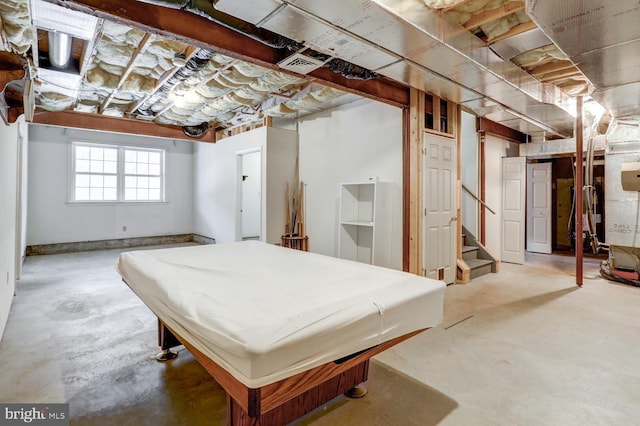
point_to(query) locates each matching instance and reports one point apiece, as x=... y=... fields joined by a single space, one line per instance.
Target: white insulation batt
x=224 y=93
x=264 y=312
x=15 y=26
x=465 y=11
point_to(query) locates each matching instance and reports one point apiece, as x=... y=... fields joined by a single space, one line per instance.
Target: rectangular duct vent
x=301 y=64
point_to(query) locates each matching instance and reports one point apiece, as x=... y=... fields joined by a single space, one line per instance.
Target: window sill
x=114 y=203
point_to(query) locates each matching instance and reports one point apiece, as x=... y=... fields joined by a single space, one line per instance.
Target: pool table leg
x=166 y=341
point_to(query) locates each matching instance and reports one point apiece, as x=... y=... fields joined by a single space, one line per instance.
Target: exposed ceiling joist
x=112 y=124
x=526 y=26
x=190 y=28
x=551 y=67
x=144 y=43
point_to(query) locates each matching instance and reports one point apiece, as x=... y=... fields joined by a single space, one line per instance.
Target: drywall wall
x=21 y=199
x=469 y=172
x=52 y=219
x=495 y=150
x=218 y=176
x=9 y=170
x=350 y=144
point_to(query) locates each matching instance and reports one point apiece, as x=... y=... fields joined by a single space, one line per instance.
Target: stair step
x=479 y=267
x=469 y=253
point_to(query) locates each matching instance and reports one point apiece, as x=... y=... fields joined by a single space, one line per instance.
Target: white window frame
x=121 y=149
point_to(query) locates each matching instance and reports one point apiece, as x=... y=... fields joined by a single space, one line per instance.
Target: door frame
x=239 y=175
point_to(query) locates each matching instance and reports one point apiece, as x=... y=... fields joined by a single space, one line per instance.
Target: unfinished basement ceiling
x=490 y=56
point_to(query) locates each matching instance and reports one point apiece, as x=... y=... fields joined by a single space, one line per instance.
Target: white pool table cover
x=264 y=312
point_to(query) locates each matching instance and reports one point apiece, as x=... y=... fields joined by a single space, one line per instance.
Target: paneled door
x=539 y=207
x=439 y=202
x=513 y=209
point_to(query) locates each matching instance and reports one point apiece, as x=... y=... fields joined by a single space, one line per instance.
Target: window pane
x=154 y=169
x=82 y=194
x=110 y=194
x=82 y=165
x=154 y=182
x=130 y=156
x=95 y=194
x=130 y=194
x=96 y=166
x=143 y=157
x=82 y=181
x=82 y=152
x=154 y=194
x=110 y=181
x=130 y=168
x=154 y=158
x=143 y=194
x=130 y=182
x=97 y=181
x=111 y=154
x=143 y=169
x=111 y=167
x=143 y=182
x=97 y=153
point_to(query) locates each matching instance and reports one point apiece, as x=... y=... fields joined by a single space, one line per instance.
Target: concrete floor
x=522 y=347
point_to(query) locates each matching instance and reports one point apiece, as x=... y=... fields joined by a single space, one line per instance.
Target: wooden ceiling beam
x=103 y=123
x=202 y=32
x=500 y=130
x=493 y=14
x=551 y=67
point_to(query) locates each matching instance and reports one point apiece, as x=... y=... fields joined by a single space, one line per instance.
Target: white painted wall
x=9 y=170
x=495 y=149
x=218 y=175
x=52 y=219
x=469 y=172
x=350 y=144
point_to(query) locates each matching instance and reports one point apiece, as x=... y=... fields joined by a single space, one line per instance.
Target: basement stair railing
x=478 y=199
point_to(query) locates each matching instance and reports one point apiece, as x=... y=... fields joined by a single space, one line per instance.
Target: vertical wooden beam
x=414 y=165
x=436 y=114
x=455 y=115
x=578 y=190
x=406 y=189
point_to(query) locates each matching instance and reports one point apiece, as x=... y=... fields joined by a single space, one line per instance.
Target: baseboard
x=58 y=248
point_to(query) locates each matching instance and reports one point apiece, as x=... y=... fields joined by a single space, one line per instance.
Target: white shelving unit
x=364 y=222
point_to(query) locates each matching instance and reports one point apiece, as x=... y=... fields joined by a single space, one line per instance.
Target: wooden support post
x=578 y=190
x=413 y=176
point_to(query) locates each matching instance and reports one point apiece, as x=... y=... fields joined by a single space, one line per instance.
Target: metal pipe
x=578 y=184
x=59 y=49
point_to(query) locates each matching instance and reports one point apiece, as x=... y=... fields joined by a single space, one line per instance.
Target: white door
x=251 y=200
x=514 y=176
x=539 y=207
x=439 y=226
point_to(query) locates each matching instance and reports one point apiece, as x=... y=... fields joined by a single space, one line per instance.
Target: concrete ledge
x=58 y=248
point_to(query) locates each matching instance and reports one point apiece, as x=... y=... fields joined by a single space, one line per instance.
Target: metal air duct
x=408 y=42
x=59 y=49
x=602 y=38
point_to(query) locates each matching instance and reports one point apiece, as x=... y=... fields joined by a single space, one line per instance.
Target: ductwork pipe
x=59 y=49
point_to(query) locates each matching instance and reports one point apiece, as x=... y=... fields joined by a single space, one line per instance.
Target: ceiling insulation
x=15 y=26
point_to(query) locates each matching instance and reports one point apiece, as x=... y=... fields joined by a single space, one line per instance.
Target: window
x=117 y=173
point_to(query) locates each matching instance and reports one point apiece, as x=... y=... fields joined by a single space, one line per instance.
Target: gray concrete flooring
x=522 y=347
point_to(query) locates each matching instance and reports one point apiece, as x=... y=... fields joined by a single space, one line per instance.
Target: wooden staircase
x=476 y=259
